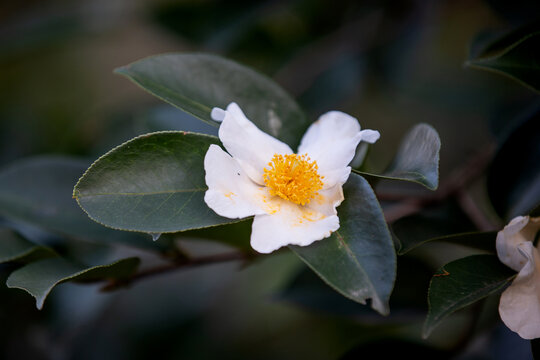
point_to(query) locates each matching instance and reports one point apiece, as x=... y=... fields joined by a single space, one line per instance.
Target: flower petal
x=231 y=193
x=327 y=200
x=370 y=136
x=520 y=229
x=519 y=306
x=248 y=145
x=290 y=224
x=332 y=142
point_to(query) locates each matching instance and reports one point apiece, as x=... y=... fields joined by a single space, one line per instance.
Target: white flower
x=293 y=197
x=519 y=306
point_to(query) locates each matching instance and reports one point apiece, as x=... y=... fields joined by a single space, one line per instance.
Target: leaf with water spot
x=196 y=83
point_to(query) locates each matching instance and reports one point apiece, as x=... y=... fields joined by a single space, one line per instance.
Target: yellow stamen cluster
x=293 y=177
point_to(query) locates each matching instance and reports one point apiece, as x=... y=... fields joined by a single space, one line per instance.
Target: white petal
x=290 y=224
x=519 y=306
x=332 y=142
x=251 y=147
x=217 y=114
x=327 y=200
x=370 y=136
x=521 y=229
x=231 y=193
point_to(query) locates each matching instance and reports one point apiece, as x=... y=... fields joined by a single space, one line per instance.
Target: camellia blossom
x=293 y=196
x=519 y=306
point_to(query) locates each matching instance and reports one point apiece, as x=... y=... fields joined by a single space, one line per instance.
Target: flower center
x=293 y=177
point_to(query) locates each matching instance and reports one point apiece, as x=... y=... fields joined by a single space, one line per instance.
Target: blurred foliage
x=391 y=64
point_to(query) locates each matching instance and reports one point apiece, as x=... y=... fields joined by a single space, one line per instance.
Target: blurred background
x=391 y=64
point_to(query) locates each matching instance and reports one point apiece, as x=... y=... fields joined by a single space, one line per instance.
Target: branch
x=454 y=185
x=186 y=263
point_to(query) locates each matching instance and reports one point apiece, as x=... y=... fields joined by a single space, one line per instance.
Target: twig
x=456 y=183
x=183 y=264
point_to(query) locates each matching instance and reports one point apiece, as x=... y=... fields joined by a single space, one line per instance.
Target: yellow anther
x=293 y=177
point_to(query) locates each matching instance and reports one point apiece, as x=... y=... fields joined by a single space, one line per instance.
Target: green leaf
x=153 y=183
x=196 y=83
x=417 y=159
x=461 y=283
x=38 y=191
x=514 y=55
x=15 y=248
x=357 y=260
x=40 y=277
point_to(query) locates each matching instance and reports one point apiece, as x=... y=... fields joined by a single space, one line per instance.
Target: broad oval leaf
x=15 y=248
x=514 y=55
x=461 y=283
x=38 y=191
x=417 y=158
x=153 y=183
x=40 y=277
x=196 y=83
x=358 y=260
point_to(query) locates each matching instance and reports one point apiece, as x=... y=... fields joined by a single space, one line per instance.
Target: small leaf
x=461 y=283
x=514 y=55
x=40 y=277
x=196 y=83
x=357 y=260
x=153 y=183
x=417 y=159
x=48 y=203
x=15 y=248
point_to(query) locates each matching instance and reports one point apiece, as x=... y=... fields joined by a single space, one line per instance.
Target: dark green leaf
x=463 y=282
x=196 y=83
x=357 y=260
x=515 y=55
x=153 y=183
x=40 y=277
x=417 y=159
x=513 y=179
x=38 y=191
x=408 y=297
x=15 y=248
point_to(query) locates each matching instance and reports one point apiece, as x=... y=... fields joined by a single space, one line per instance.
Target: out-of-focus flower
x=519 y=306
x=293 y=196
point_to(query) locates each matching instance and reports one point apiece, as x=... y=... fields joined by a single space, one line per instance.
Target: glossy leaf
x=357 y=260
x=196 y=83
x=38 y=191
x=461 y=283
x=417 y=158
x=153 y=183
x=513 y=178
x=40 y=277
x=514 y=55
x=15 y=248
